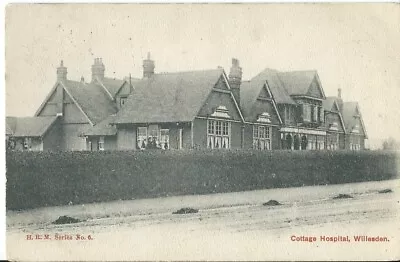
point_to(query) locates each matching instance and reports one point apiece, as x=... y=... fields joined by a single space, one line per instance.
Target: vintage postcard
x=202 y=132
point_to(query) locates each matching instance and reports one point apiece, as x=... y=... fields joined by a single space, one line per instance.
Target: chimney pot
x=235 y=78
x=340 y=93
x=62 y=71
x=148 y=67
x=98 y=69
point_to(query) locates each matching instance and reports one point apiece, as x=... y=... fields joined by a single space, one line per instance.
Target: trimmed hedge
x=36 y=179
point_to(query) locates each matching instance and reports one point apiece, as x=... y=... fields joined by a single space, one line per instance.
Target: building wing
x=168 y=97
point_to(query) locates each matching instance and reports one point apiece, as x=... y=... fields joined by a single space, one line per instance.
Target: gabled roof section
x=250 y=91
x=29 y=126
x=278 y=90
x=301 y=82
x=91 y=98
x=350 y=112
x=111 y=85
x=168 y=97
x=104 y=128
x=297 y=82
x=329 y=104
x=11 y=123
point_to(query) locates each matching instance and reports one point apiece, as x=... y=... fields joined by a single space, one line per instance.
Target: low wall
x=36 y=179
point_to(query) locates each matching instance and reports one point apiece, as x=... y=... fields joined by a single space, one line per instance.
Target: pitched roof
x=277 y=88
x=169 y=97
x=112 y=85
x=285 y=84
x=297 y=82
x=91 y=97
x=11 y=123
x=29 y=126
x=328 y=103
x=348 y=112
x=104 y=128
x=249 y=91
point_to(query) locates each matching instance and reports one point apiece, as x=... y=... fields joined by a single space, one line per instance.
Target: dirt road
x=309 y=225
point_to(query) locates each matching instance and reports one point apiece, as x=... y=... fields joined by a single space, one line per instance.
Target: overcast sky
x=352 y=46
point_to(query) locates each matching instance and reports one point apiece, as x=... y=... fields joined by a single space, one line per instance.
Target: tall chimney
x=339 y=100
x=98 y=69
x=148 y=67
x=235 y=79
x=61 y=72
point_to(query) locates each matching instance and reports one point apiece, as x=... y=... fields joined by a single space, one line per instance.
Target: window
x=320 y=143
x=333 y=142
x=307 y=112
x=164 y=138
x=153 y=141
x=289 y=114
x=27 y=143
x=321 y=115
x=152 y=137
x=262 y=137
x=316 y=113
x=101 y=143
x=312 y=141
x=122 y=101
x=355 y=143
x=142 y=137
x=218 y=134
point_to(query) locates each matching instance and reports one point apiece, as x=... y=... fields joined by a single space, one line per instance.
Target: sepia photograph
x=198 y=132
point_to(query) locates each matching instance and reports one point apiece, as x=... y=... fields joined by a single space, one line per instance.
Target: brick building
x=188 y=110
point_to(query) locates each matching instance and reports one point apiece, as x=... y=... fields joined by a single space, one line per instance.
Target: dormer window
x=334 y=126
x=122 y=101
x=355 y=129
x=222 y=112
x=264 y=118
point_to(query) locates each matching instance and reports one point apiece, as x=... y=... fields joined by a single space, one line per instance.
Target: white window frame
x=122 y=101
x=27 y=143
x=262 y=137
x=316 y=113
x=140 y=138
x=321 y=114
x=307 y=112
x=218 y=133
x=100 y=143
x=164 y=138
